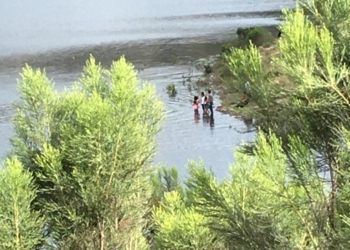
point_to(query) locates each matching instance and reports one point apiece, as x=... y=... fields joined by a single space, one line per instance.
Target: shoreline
x=217 y=78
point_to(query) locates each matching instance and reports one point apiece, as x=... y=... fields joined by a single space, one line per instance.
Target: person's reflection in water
x=212 y=124
x=249 y=123
x=197 y=116
x=196 y=109
x=206 y=119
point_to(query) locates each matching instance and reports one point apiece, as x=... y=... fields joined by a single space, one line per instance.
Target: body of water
x=162 y=38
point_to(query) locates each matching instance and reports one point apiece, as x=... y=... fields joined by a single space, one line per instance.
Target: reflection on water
x=209 y=120
x=197 y=117
x=249 y=123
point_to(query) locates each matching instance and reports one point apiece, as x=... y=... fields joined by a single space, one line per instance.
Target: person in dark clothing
x=210 y=102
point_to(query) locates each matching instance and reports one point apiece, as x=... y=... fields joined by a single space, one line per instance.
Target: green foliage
x=83 y=154
x=260 y=207
x=171 y=90
x=313 y=94
x=88 y=149
x=180 y=227
x=311 y=103
x=334 y=15
x=258 y=36
x=20 y=228
x=247 y=64
x=165 y=180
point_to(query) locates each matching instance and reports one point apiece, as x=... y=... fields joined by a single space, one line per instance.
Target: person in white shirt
x=203 y=101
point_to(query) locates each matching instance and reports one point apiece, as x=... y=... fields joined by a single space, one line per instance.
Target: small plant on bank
x=208 y=69
x=171 y=90
x=260 y=36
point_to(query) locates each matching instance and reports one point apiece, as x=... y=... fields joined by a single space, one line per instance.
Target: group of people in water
x=206 y=102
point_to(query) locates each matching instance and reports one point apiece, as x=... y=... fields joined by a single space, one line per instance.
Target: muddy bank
x=150 y=54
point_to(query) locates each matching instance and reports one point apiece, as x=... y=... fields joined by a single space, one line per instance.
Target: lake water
x=162 y=38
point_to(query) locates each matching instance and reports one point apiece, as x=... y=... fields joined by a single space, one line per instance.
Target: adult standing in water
x=210 y=102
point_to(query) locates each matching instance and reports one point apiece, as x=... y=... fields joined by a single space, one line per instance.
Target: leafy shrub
x=258 y=36
x=259 y=207
x=180 y=227
x=171 y=90
x=87 y=149
x=20 y=227
x=165 y=180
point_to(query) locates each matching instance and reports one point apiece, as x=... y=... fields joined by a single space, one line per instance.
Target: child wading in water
x=196 y=108
x=195 y=104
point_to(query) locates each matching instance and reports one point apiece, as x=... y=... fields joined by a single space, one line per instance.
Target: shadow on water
x=208 y=120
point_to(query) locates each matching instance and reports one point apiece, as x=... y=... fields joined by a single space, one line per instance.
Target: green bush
x=225 y=48
x=180 y=227
x=21 y=228
x=258 y=36
x=88 y=149
x=171 y=90
x=259 y=206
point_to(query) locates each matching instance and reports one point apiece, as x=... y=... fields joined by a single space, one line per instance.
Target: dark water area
x=162 y=39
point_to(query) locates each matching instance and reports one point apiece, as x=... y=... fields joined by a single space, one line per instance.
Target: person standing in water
x=195 y=105
x=196 y=109
x=203 y=101
x=210 y=102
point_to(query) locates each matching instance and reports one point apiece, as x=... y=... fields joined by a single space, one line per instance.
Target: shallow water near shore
x=161 y=38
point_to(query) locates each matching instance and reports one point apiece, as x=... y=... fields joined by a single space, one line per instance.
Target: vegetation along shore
x=81 y=171
x=229 y=86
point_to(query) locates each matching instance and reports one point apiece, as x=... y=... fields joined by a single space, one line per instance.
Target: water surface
x=162 y=38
